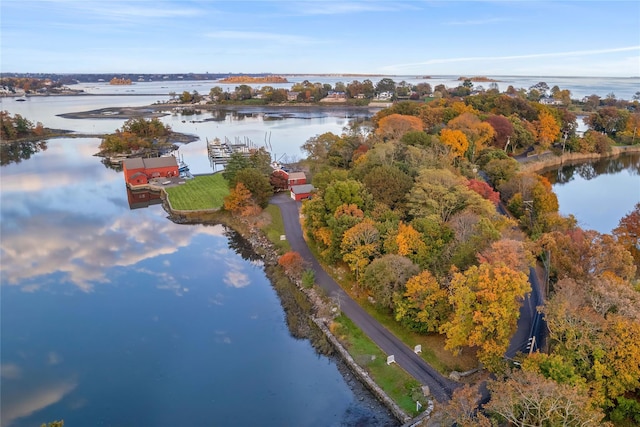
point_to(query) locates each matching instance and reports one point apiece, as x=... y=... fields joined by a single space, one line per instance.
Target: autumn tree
x=485 y=190
x=503 y=131
x=547 y=129
x=455 y=139
x=486 y=301
x=627 y=234
x=424 y=305
x=360 y=244
x=396 y=125
x=293 y=264
x=441 y=193
x=386 y=276
x=529 y=399
x=462 y=409
x=594 y=325
x=239 y=201
x=479 y=134
x=580 y=254
x=512 y=253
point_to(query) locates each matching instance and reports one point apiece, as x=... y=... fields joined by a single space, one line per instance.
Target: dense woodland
x=408 y=207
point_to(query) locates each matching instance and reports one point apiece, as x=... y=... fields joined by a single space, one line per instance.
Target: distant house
x=292 y=95
x=296 y=178
x=301 y=192
x=384 y=96
x=550 y=101
x=139 y=171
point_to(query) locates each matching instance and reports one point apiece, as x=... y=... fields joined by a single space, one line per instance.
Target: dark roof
x=150 y=163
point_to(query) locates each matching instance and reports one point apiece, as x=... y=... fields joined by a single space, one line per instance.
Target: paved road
x=441 y=387
x=530 y=323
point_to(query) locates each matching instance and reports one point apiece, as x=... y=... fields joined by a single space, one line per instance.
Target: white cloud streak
x=575 y=53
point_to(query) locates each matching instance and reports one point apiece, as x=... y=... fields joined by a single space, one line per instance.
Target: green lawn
x=399 y=386
x=202 y=192
x=275 y=228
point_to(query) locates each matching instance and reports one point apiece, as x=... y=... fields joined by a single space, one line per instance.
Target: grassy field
x=202 y=192
x=399 y=386
x=274 y=228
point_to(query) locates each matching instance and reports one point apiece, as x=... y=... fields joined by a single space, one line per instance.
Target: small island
x=119 y=81
x=249 y=79
x=477 y=79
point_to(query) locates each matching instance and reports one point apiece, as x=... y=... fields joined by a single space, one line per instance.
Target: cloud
x=53 y=358
x=10 y=371
x=18 y=405
x=237 y=279
x=470 y=22
x=83 y=248
x=484 y=59
x=259 y=36
x=342 y=8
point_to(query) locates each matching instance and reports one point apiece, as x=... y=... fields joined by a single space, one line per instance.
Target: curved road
x=441 y=388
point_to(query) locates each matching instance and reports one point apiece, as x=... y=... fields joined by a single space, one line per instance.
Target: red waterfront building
x=139 y=171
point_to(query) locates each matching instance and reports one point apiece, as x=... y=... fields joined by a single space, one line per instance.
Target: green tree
x=236 y=163
x=388 y=184
x=257 y=183
x=386 y=276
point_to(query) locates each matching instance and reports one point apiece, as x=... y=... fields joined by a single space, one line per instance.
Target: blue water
x=118 y=317
x=598 y=194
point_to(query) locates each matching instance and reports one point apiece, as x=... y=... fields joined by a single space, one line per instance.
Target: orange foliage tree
x=396 y=125
x=240 y=201
x=293 y=264
x=628 y=234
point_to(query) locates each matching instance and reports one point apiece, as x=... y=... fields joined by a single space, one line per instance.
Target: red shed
x=297 y=178
x=301 y=192
x=139 y=171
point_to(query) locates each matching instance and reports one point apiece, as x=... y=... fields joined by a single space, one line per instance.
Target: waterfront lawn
x=274 y=228
x=395 y=381
x=201 y=192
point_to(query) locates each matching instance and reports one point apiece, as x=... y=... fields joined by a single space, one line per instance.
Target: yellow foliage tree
x=486 y=301
x=547 y=129
x=359 y=244
x=424 y=306
x=455 y=139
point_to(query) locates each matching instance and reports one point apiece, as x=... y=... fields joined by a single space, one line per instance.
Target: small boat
x=22 y=98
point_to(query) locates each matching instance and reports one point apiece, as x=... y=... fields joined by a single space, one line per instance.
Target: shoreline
x=548 y=161
x=364 y=388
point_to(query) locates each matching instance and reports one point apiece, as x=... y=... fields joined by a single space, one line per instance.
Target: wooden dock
x=220 y=152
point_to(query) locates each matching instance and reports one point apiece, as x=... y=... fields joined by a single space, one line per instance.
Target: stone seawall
x=362 y=374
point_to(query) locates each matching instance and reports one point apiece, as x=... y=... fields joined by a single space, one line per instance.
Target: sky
x=419 y=37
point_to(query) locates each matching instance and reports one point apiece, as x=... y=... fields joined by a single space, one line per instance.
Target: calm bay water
x=598 y=193
x=119 y=317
